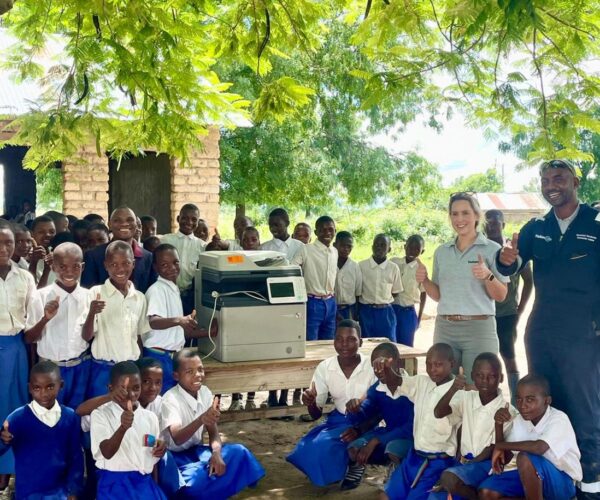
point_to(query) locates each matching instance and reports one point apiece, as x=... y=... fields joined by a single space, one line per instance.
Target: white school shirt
x=15 y=293
x=234 y=245
x=478 y=425
x=61 y=337
x=556 y=430
x=379 y=281
x=23 y=264
x=164 y=300
x=155 y=406
x=180 y=408
x=348 y=283
x=319 y=267
x=432 y=435
x=118 y=326
x=189 y=248
x=132 y=455
x=289 y=247
x=329 y=378
x=49 y=417
x=411 y=293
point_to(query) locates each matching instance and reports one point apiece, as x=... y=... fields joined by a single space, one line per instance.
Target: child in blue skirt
x=322 y=454
x=216 y=471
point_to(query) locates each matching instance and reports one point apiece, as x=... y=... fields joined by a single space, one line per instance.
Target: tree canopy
x=133 y=73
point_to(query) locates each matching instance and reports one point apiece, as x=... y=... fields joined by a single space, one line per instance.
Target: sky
x=458 y=150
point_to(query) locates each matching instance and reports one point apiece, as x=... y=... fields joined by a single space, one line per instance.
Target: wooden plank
x=278 y=411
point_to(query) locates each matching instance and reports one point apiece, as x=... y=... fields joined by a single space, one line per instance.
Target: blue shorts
x=472 y=474
x=377 y=321
x=320 y=318
x=556 y=484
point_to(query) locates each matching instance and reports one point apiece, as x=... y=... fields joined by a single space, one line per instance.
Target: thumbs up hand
x=5 y=435
x=97 y=305
x=421 y=273
x=51 y=308
x=503 y=415
x=211 y=416
x=309 y=396
x=460 y=381
x=127 y=416
x=480 y=270
x=510 y=251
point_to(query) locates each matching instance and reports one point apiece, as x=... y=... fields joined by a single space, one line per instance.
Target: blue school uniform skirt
x=321 y=454
x=76 y=379
x=556 y=484
x=402 y=485
x=380 y=456
x=165 y=358
x=472 y=474
x=243 y=470
x=13 y=386
x=406 y=324
x=377 y=321
x=99 y=378
x=127 y=486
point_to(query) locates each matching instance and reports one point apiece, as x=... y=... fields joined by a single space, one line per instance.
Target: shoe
x=236 y=405
x=250 y=405
x=306 y=417
x=353 y=477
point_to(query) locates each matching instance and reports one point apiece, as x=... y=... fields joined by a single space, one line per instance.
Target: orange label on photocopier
x=235 y=259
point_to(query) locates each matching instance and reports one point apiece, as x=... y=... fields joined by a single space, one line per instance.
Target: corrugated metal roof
x=512 y=201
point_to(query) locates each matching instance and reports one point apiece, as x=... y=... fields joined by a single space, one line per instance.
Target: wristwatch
x=491 y=277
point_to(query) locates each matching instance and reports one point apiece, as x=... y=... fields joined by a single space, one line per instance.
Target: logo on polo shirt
x=586 y=237
x=547 y=239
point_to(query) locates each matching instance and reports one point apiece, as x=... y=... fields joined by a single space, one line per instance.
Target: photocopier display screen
x=279 y=290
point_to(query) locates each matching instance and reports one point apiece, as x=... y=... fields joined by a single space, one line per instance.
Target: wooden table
x=248 y=376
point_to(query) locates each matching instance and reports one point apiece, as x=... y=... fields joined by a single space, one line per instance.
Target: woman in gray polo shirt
x=466 y=284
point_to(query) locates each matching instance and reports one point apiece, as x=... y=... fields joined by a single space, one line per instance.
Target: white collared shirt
x=380 y=282
x=180 y=408
x=118 y=326
x=478 y=425
x=564 y=224
x=50 y=417
x=432 y=435
x=234 y=245
x=155 y=406
x=23 y=264
x=411 y=293
x=189 y=248
x=330 y=379
x=132 y=455
x=61 y=337
x=15 y=293
x=289 y=247
x=556 y=431
x=348 y=283
x=164 y=301
x=319 y=267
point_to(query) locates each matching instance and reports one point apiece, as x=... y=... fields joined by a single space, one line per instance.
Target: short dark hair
x=495 y=213
x=147 y=363
x=20 y=228
x=81 y=224
x=163 y=247
x=324 y=219
x=491 y=358
x=251 y=229
x=41 y=219
x=45 y=368
x=416 y=237
x=343 y=235
x=147 y=218
x=64 y=237
x=536 y=380
x=386 y=348
x=93 y=218
x=280 y=212
x=98 y=226
x=54 y=215
x=189 y=206
x=118 y=246
x=349 y=323
x=443 y=349
x=149 y=241
x=121 y=369
x=384 y=236
x=186 y=353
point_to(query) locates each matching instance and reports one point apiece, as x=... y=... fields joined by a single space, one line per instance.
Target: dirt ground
x=271 y=441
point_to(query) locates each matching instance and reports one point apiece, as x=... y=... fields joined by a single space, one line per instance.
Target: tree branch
x=541 y=78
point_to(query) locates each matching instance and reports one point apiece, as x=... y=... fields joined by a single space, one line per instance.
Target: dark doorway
x=19 y=184
x=143 y=183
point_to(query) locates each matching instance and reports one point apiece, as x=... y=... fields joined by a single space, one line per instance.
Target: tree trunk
x=5 y=6
x=240 y=210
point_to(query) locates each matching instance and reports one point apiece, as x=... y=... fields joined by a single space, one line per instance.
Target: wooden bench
x=249 y=376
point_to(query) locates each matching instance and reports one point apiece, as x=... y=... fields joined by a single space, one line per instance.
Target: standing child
x=97 y=235
x=169 y=326
x=53 y=322
x=44 y=437
x=279 y=221
x=435 y=439
x=16 y=289
x=125 y=441
x=148 y=227
x=201 y=231
x=115 y=318
x=543 y=439
x=250 y=239
x=407 y=319
x=476 y=411
x=23 y=246
x=381 y=283
x=322 y=453
x=240 y=223
x=348 y=281
x=215 y=471
x=189 y=248
x=302 y=232
x=380 y=444
x=40 y=264
x=319 y=266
